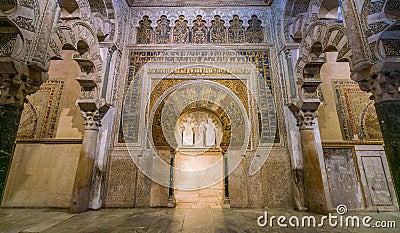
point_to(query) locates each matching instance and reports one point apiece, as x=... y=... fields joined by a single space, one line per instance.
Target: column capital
x=17 y=81
x=92 y=120
x=305 y=119
x=305 y=113
x=383 y=85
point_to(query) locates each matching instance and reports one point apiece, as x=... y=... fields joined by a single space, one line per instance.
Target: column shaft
x=10 y=116
x=314 y=186
x=82 y=187
x=389 y=120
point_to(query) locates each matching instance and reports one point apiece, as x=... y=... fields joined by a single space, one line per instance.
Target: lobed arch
x=378 y=17
x=295 y=16
x=320 y=38
x=71 y=37
x=213 y=107
x=300 y=14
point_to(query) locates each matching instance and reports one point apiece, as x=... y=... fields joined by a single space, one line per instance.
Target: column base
x=171 y=202
x=226 y=203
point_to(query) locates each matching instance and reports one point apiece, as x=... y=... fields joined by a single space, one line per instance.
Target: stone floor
x=165 y=220
x=204 y=198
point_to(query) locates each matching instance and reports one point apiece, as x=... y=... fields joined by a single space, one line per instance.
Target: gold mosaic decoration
x=163 y=31
x=199 y=31
x=41 y=114
x=181 y=31
x=236 y=30
x=356 y=112
x=217 y=30
x=145 y=31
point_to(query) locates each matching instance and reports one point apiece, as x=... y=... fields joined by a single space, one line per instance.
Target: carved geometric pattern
x=391 y=47
x=163 y=30
x=55 y=48
x=376 y=27
x=98 y=6
x=343 y=51
x=28 y=123
x=375 y=7
x=199 y=30
x=393 y=8
x=27 y=3
x=372 y=49
x=355 y=112
x=254 y=33
x=61 y=36
x=236 y=30
x=25 y=23
x=145 y=31
x=7 y=43
x=217 y=30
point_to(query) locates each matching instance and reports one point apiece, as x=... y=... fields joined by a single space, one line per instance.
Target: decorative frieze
x=200 y=26
x=217 y=30
x=145 y=31
x=199 y=31
x=254 y=33
x=181 y=31
x=236 y=30
x=163 y=31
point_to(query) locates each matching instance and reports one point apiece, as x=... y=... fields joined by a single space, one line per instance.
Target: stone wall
x=269 y=187
x=42 y=175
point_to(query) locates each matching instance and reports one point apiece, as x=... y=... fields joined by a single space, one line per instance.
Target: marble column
x=10 y=116
x=171 y=195
x=383 y=83
x=15 y=85
x=93 y=110
x=316 y=200
x=82 y=187
x=226 y=200
x=389 y=119
x=356 y=42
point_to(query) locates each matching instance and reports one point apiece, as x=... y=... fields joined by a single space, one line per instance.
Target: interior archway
x=198 y=133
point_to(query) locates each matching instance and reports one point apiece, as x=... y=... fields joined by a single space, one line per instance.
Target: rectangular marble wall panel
x=159 y=193
x=143 y=190
x=42 y=175
x=238 y=182
x=277 y=179
x=254 y=186
x=121 y=182
x=269 y=187
x=344 y=184
x=376 y=178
